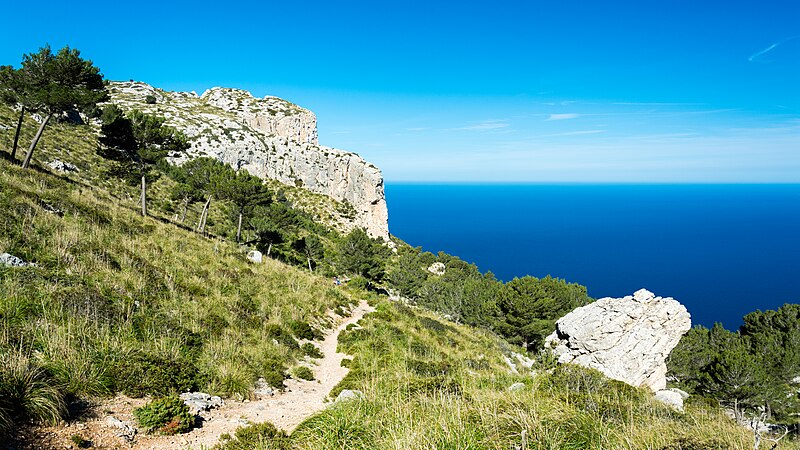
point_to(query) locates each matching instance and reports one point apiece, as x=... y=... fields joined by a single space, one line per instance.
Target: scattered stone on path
x=200 y=401
x=262 y=389
x=124 y=430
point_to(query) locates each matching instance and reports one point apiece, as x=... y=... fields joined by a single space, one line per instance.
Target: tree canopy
x=56 y=83
x=754 y=368
x=139 y=141
x=362 y=255
x=530 y=306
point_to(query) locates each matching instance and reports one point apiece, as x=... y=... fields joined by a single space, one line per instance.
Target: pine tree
x=56 y=83
x=245 y=191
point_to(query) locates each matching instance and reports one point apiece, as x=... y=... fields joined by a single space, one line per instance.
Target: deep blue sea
x=721 y=250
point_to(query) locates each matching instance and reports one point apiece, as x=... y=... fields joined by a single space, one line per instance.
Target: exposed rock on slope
x=627 y=338
x=270 y=138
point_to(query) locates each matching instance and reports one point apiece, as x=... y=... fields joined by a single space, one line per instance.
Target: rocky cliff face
x=270 y=138
x=627 y=338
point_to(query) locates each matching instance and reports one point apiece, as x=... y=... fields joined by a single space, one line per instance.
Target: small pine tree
x=56 y=83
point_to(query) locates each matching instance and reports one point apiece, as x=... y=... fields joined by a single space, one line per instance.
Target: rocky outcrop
x=270 y=138
x=268 y=115
x=627 y=338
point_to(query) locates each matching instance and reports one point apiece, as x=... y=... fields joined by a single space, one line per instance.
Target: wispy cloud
x=758 y=56
x=655 y=104
x=575 y=133
x=563 y=116
x=486 y=125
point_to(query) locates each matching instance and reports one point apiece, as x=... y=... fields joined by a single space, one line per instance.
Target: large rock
x=272 y=139
x=627 y=338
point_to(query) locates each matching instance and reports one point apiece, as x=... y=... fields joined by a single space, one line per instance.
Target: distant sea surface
x=721 y=250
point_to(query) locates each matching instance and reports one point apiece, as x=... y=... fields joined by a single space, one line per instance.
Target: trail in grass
x=285 y=410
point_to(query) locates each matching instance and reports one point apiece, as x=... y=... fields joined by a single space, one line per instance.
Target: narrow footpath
x=286 y=410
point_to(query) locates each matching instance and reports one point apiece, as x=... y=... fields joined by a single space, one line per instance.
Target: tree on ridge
x=140 y=140
x=56 y=83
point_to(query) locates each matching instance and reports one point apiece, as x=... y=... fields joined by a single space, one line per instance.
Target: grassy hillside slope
x=117 y=302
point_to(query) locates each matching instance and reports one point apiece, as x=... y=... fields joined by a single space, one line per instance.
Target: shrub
x=167 y=415
x=260 y=436
x=145 y=374
x=311 y=350
x=150 y=99
x=434 y=385
x=273 y=370
x=303 y=330
x=696 y=443
x=275 y=331
x=303 y=373
x=434 y=325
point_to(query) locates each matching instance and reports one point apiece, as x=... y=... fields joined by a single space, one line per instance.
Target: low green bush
x=80 y=442
x=303 y=330
x=303 y=373
x=167 y=415
x=260 y=436
x=311 y=350
x=143 y=374
x=277 y=332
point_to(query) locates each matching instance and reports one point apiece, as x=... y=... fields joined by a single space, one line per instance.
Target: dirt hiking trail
x=285 y=410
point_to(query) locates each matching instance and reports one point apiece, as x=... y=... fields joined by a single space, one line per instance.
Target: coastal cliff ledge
x=269 y=137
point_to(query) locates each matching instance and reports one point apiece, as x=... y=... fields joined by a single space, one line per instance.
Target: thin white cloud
x=757 y=56
x=563 y=116
x=486 y=125
x=575 y=133
x=655 y=104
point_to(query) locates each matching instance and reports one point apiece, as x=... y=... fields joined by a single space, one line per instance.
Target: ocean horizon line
x=585 y=183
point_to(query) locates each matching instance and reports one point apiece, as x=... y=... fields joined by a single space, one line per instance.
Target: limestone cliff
x=270 y=138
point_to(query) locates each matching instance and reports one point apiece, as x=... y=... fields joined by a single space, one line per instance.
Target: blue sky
x=581 y=91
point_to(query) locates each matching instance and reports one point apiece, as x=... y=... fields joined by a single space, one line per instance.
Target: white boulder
x=628 y=339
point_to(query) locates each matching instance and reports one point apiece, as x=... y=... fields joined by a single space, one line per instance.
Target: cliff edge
x=269 y=137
